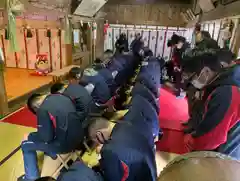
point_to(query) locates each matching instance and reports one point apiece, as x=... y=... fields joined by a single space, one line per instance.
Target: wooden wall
x=162 y=15
x=54 y=47
x=100 y=38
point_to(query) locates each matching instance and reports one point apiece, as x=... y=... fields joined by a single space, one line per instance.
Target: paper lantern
x=59 y=32
x=48 y=33
x=29 y=33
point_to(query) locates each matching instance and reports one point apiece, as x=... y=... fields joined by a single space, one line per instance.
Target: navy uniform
x=80 y=172
x=59 y=130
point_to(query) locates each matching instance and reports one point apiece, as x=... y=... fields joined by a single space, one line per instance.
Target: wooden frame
x=226 y=2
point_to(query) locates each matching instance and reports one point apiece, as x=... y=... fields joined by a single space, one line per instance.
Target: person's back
x=59 y=131
x=79 y=95
x=126 y=148
x=128 y=155
x=79 y=172
x=65 y=122
x=81 y=98
x=101 y=92
x=109 y=78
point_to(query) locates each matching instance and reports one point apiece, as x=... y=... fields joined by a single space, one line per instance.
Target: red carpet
x=172 y=112
x=22 y=117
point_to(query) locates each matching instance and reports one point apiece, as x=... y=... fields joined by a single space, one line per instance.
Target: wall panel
x=164 y=14
x=55 y=50
x=10 y=56
x=154 y=37
x=32 y=49
x=29 y=47
x=22 y=60
x=44 y=43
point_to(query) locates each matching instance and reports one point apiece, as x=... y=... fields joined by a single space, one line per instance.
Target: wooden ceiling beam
x=221 y=11
x=139 y=2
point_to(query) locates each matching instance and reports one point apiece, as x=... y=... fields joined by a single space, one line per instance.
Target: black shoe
x=186 y=123
x=23 y=178
x=188 y=130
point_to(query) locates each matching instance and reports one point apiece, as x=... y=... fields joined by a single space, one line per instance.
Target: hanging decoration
x=29 y=32
x=105 y=29
x=68 y=31
x=14 y=8
x=49 y=33
x=59 y=32
x=89 y=25
x=94 y=29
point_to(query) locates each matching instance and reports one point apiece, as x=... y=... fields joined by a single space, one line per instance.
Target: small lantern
x=29 y=32
x=48 y=33
x=59 y=32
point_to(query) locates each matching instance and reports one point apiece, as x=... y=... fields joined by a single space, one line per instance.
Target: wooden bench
x=60 y=75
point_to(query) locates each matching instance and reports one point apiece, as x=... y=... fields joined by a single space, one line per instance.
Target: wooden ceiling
x=137 y=2
x=54 y=9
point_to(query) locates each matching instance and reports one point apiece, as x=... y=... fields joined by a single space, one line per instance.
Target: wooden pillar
x=90 y=44
x=236 y=41
x=100 y=38
x=68 y=54
x=3 y=95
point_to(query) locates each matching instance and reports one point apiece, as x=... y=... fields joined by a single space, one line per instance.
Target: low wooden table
x=60 y=75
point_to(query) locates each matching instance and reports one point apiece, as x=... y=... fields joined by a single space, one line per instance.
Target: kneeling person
x=125 y=153
x=59 y=130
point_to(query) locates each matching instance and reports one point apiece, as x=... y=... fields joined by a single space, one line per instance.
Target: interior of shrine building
x=69 y=33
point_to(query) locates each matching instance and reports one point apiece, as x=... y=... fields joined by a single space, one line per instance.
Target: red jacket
x=221 y=114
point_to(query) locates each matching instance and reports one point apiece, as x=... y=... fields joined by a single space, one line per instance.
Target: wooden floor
x=11 y=137
x=19 y=82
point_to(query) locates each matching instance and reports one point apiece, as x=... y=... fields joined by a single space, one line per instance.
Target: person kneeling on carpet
x=78 y=94
x=126 y=153
x=75 y=76
x=59 y=130
x=218 y=127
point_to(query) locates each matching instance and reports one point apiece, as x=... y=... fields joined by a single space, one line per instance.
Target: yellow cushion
x=90 y=159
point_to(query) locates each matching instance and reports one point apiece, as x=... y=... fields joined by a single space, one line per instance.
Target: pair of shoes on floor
x=23 y=178
x=181 y=96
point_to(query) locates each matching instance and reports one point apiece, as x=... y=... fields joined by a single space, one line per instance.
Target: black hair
x=108 y=51
x=94 y=124
x=75 y=73
x=56 y=87
x=196 y=59
x=226 y=55
x=175 y=39
x=31 y=100
x=46 y=179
